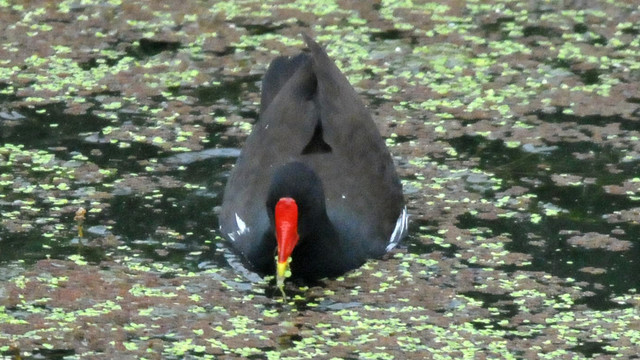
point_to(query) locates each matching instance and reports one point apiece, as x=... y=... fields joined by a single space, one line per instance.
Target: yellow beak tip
x=281 y=274
x=281 y=269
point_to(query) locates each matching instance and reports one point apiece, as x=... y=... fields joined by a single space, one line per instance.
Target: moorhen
x=314 y=181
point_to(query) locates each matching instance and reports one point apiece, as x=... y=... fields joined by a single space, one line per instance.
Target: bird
x=314 y=192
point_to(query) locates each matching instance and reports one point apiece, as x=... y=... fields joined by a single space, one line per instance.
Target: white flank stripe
x=400 y=230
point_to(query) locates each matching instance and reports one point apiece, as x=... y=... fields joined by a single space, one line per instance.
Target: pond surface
x=515 y=128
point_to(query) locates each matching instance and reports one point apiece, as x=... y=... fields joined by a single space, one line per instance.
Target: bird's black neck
x=319 y=247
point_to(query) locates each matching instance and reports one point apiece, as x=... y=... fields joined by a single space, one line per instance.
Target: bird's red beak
x=286 y=223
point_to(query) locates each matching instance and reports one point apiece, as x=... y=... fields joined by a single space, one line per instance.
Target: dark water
x=132 y=217
x=585 y=206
